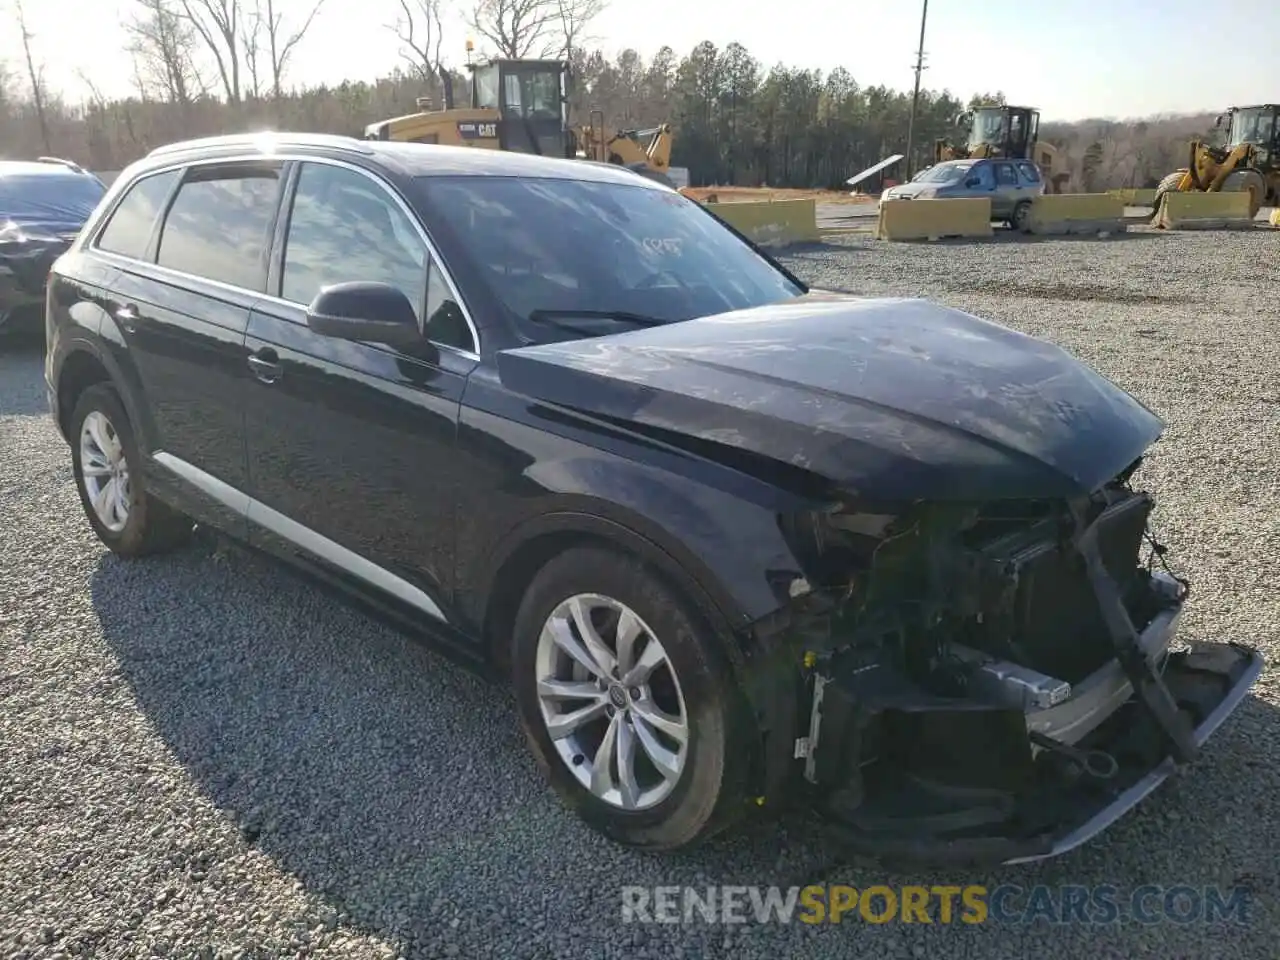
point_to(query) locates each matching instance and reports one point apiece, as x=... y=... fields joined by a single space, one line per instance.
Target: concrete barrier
x=934 y=219
x=772 y=223
x=1203 y=211
x=1274 y=219
x=1061 y=214
x=1134 y=197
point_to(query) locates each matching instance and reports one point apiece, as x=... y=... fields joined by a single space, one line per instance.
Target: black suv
x=732 y=540
x=43 y=205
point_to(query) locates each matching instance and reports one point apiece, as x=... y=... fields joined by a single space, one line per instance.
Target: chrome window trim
x=91 y=241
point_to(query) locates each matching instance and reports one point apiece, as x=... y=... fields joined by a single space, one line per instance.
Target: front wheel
x=625 y=702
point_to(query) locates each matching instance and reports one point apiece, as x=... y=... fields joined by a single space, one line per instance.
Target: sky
x=1070 y=58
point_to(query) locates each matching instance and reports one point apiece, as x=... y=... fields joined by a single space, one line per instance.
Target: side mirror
x=365 y=310
x=1219 y=119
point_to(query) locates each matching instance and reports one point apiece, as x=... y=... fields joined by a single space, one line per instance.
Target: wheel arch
x=523 y=553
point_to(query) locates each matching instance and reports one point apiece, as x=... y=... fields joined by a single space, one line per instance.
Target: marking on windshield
x=663 y=245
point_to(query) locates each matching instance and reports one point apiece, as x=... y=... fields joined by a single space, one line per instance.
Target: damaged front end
x=995 y=682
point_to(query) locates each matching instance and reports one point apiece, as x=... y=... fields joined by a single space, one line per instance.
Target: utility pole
x=915 y=97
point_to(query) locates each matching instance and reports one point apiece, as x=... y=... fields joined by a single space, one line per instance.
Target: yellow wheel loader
x=1009 y=132
x=1250 y=160
x=523 y=106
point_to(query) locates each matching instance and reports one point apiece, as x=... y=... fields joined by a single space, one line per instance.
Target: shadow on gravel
x=397 y=786
x=22 y=375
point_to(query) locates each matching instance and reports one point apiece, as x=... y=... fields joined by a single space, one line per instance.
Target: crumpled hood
x=889 y=398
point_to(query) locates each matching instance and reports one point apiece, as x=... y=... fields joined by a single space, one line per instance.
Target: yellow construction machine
x=523 y=106
x=1009 y=132
x=1250 y=160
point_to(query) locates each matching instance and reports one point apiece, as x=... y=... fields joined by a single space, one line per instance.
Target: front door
x=350 y=445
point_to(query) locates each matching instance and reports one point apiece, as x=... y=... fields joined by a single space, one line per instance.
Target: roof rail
x=70 y=164
x=264 y=140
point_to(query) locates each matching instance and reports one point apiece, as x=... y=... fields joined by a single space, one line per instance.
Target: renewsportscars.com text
x=937 y=904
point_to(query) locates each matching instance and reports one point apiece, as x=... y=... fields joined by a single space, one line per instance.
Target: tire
x=1249 y=180
x=1021 y=220
x=1167 y=185
x=663 y=813
x=148 y=525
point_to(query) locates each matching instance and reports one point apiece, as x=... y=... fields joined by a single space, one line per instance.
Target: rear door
x=351 y=445
x=1008 y=190
x=182 y=312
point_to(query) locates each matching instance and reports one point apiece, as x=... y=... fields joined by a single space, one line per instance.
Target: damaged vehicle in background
x=737 y=544
x=43 y=205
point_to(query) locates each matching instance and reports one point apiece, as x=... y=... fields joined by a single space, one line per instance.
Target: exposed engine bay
x=987 y=680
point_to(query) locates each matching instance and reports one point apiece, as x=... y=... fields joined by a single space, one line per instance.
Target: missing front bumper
x=959 y=781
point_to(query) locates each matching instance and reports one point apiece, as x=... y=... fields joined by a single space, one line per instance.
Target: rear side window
x=1005 y=174
x=129 y=230
x=219 y=223
x=1029 y=172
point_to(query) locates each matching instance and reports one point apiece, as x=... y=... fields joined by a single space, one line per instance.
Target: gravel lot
x=207 y=756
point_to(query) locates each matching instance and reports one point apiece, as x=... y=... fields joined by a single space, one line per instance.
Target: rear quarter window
x=1029 y=172
x=128 y=230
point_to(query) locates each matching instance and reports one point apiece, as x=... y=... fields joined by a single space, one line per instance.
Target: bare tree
x=575 y=18
x=250 y=42
x=36 y=75
x=217 y=24
x=418 y=29
x=161 y=41
x=282 y=40
x=518 y=28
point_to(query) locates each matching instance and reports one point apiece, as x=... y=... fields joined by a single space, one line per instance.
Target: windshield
x=56 y=198
x=1253 y=125
x=944 y=173
x=531 y=92
x=547 y=245
x=988 y=127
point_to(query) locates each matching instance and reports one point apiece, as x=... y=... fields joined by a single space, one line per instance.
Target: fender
x=728 y=549
x=124 y=379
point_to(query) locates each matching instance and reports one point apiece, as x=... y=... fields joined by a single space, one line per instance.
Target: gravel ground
x=206 y=756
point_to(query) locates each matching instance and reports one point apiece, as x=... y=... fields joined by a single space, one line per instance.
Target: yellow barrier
x=1274 y=219
x=1203 y=211
x=934 y=219
x=1135 y=197
x=772 y=223
x=1060 y=214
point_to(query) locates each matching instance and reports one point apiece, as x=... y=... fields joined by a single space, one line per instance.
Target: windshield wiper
x=555 y=318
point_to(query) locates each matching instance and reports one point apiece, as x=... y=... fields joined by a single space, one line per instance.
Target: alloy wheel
x=105 y=471
x=611 y=701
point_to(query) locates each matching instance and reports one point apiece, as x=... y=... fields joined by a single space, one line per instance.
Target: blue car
x=1011 y=185
x=43 y=205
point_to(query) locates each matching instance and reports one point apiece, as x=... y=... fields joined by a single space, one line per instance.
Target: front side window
x=219 y=224
x=344 y=227
x=486 y=87
x=548 y=247
x=533 y=94
x=129 y=230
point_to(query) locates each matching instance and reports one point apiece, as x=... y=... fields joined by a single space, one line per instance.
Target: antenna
x=915 y=97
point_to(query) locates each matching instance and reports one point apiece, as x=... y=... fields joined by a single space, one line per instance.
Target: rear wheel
x=1022 y=217
x=107 y=466
x=626 y=703
x=1248 y=180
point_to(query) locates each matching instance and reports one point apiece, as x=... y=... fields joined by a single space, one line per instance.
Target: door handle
x=265 y=365
x=127 y=314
